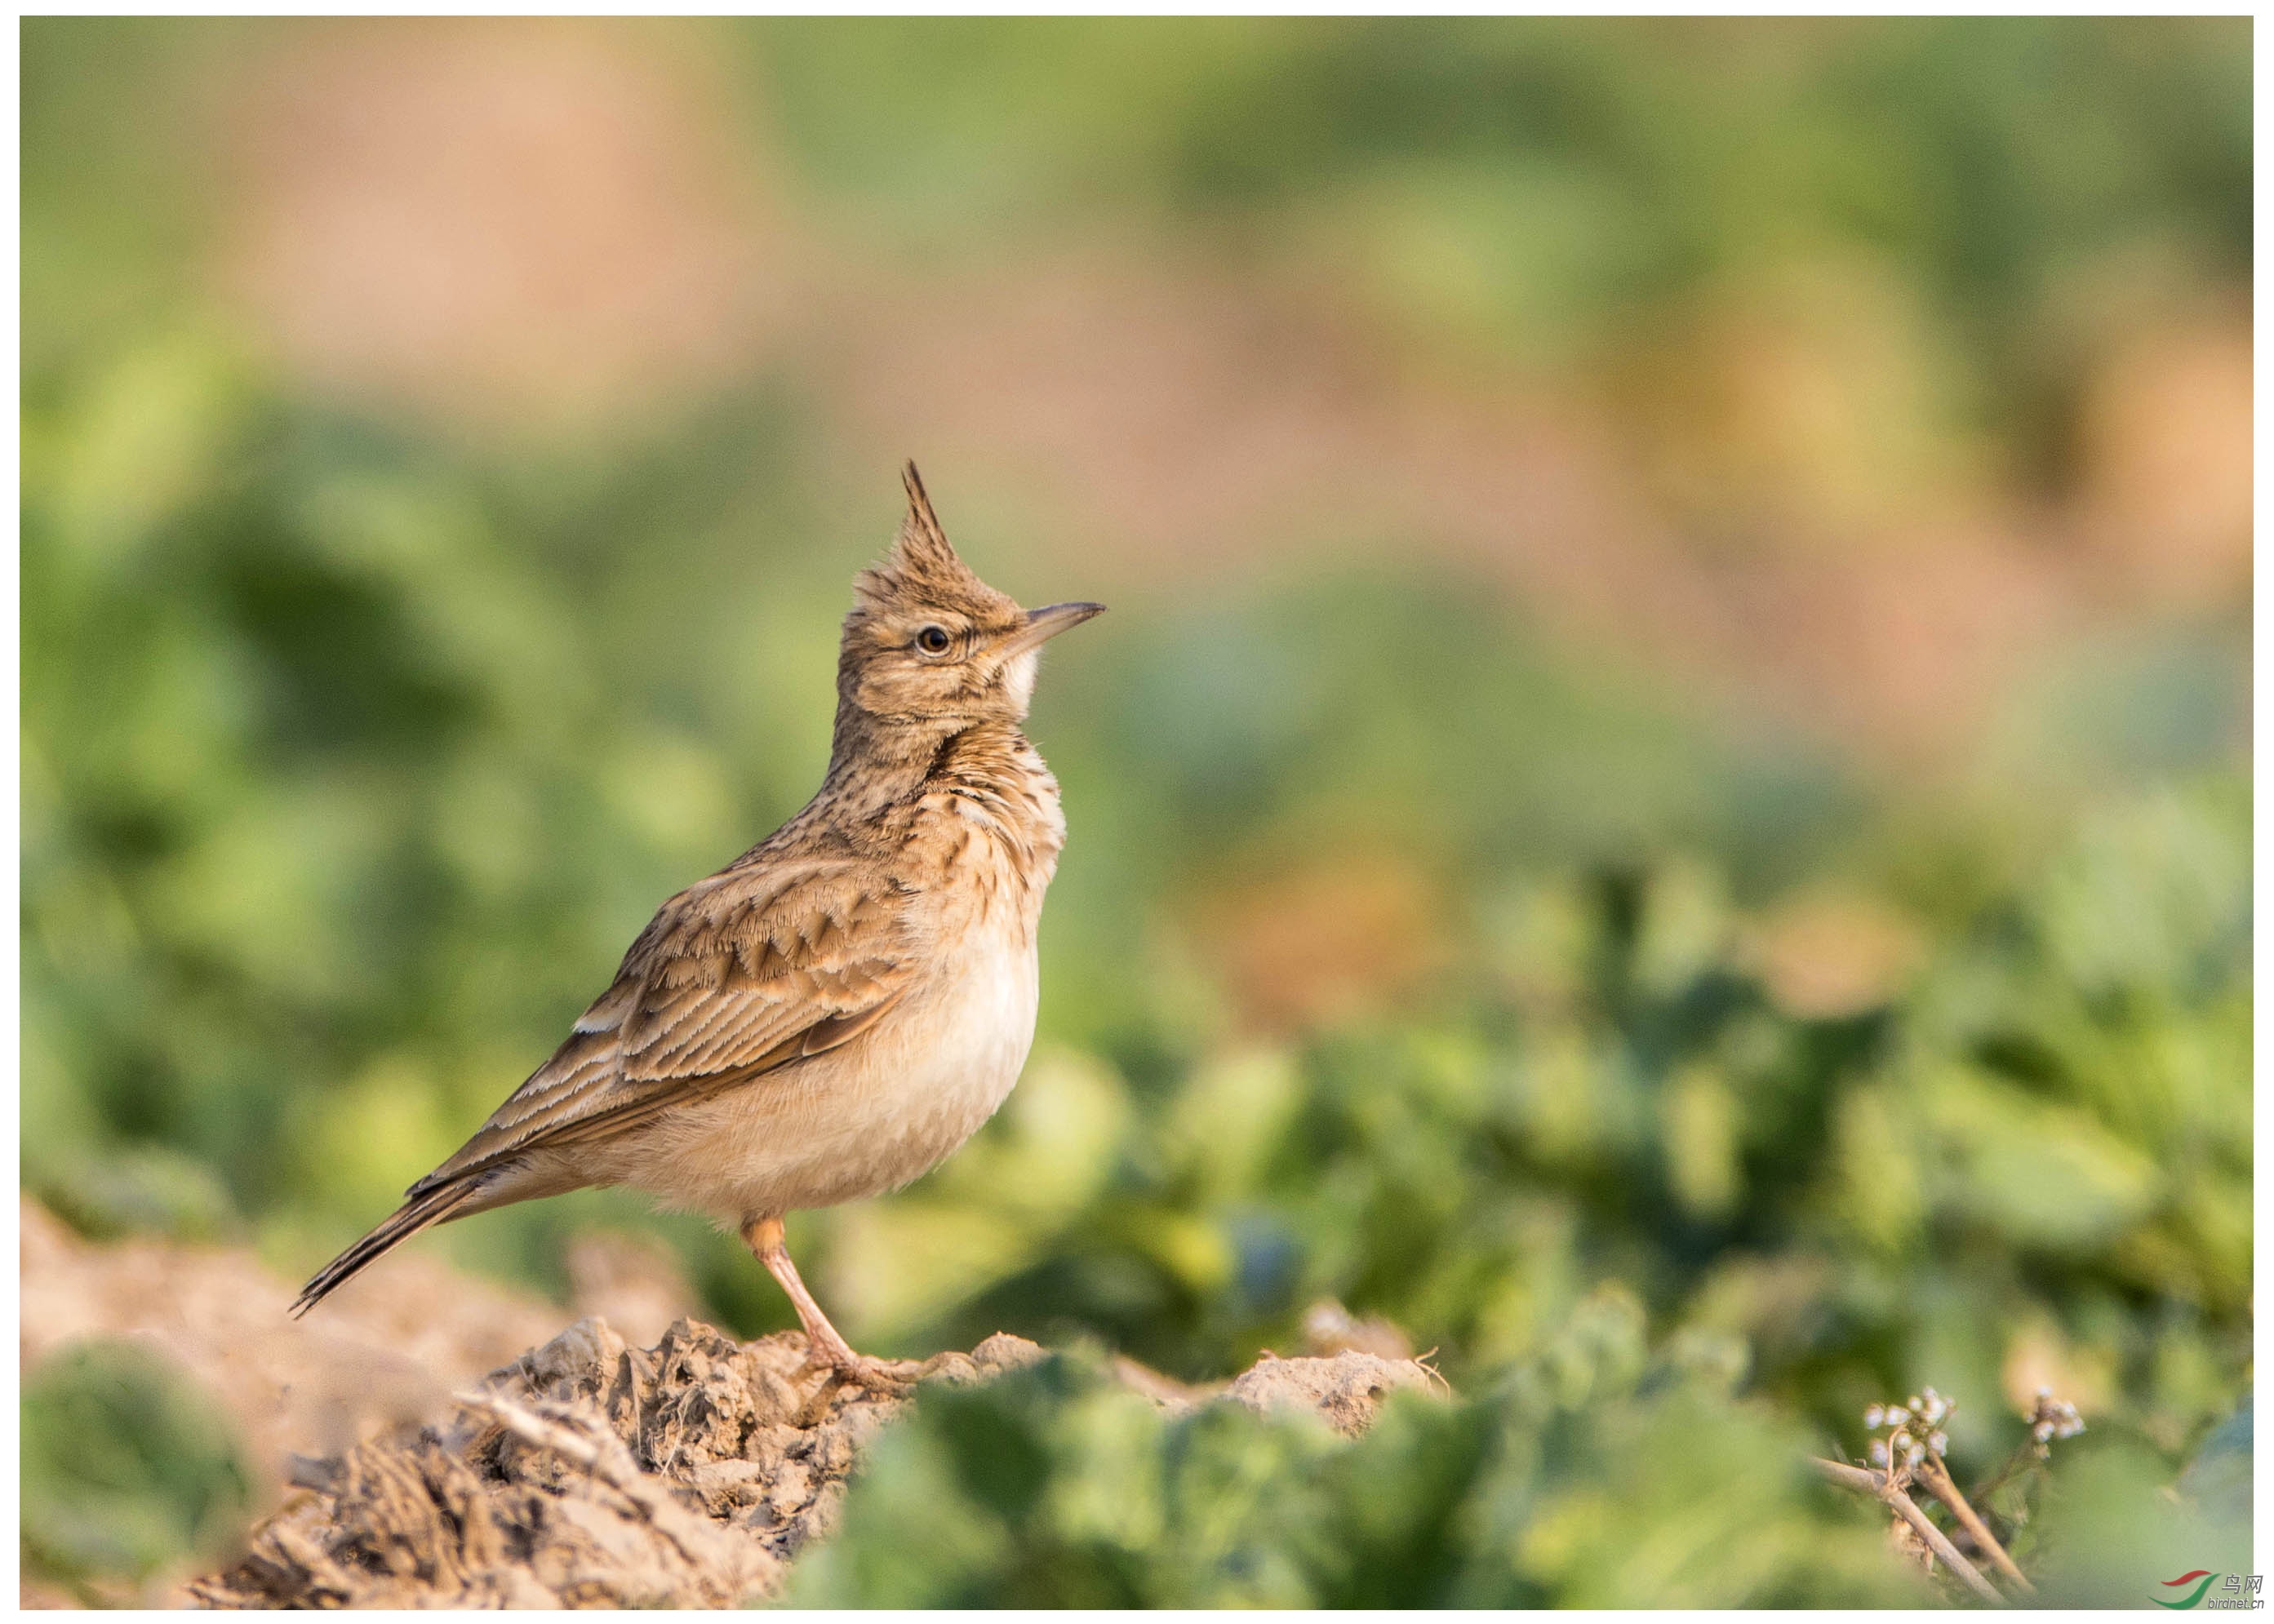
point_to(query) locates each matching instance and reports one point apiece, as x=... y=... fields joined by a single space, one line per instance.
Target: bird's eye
x=932 y=639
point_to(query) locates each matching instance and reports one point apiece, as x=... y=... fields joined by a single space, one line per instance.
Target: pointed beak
x=1044 y=624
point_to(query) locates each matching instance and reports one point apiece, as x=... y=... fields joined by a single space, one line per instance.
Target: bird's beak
x=1044 y=624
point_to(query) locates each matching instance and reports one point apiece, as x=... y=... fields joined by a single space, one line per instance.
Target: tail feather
x=432 y=1207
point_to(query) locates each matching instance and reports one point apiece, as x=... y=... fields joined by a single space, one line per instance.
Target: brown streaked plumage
x=836 y=1011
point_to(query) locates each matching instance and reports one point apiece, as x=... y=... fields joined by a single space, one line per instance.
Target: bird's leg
x=764 y=1238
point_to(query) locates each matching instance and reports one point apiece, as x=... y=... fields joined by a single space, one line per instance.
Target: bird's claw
x=841 y=1363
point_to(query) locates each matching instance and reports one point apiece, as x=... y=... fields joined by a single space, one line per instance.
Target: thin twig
x=1940 y=1543
x=1883 y=1489
x=1937 y=1477
x=1848 y=1477
x=2031 y=1454
x=1432 y=1372
x=535 y=1429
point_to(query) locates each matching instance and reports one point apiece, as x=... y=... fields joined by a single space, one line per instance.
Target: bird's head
x=929 y=643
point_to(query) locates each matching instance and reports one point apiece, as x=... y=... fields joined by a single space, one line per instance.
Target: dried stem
x=603 y=1455
x=1937 y=1477
x=1883 y=1488
x=2031 y=1454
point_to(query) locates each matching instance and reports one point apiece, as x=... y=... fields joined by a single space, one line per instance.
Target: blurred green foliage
x=1059 y=1487
x=1541 y=184
x=353 y=757
x=125 y=1468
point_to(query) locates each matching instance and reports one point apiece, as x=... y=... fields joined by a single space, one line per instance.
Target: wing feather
x=728 y=982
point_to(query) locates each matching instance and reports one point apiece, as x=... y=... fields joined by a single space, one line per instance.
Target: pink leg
x=764 y=1238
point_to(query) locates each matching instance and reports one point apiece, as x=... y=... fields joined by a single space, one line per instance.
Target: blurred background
x=1671 y=752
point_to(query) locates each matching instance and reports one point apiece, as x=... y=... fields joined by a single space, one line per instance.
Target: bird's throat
x=876 y=762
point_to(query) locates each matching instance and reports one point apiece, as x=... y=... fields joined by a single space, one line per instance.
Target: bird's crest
x=922 y=567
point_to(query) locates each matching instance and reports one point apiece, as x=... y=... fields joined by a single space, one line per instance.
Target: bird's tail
x=431 y=1207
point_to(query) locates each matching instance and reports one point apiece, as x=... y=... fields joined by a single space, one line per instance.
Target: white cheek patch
x=1018 y=678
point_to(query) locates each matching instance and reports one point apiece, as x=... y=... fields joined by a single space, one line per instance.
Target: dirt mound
x=589 y=1471
x=592 y=1473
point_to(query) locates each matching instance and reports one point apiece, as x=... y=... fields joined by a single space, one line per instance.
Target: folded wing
x=733 y=978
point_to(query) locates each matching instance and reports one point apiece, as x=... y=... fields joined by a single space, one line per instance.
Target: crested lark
x=840 y=1008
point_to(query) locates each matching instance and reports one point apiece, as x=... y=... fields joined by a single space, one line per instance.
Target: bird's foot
x=834 y=1355
x=881 y=1375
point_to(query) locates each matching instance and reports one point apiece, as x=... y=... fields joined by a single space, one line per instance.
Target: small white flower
x=2045 y=1392
x=1876 y=1414
x=1897 y=1415
x=1900 y=1440
x=2043 y=1431
x=1915 y=1456
x=1878 y=1452
x=1939 y=1442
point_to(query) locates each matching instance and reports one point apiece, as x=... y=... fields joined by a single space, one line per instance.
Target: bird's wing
x=732 y=979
